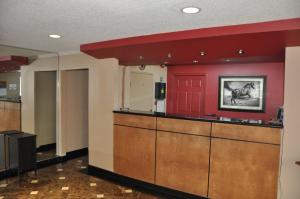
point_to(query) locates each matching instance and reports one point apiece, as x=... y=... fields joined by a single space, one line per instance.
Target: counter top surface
x=10 y=100
x=205 y=118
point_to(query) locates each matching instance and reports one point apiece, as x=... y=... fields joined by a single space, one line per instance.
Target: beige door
x=141 y=91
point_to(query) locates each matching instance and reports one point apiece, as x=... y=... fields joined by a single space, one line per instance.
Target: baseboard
x=77 y=153
x=140 y=185
x=46 y=147
x=51 y=161
x=7 y=173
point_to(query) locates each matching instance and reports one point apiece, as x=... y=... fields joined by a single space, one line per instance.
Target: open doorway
x=45 y=114
x=74 y=112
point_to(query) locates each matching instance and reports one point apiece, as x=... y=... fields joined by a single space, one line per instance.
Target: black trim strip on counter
x=209 y=161
x=136 y=127
x=214 y=137
x=140 y=185
x=207 y=136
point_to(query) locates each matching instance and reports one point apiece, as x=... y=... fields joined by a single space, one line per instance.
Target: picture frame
x=242 y=93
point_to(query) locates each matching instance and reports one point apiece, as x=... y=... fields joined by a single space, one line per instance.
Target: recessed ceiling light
x=169 y=55
x=241 y=51
x=202 y=53
x=227 y=60
x=190 y=10
x=195 y=61
x=141 y=57
x=54 y=36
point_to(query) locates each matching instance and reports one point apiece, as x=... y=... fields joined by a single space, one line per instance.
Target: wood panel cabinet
x=247 y=133
x=135 y=120
x=242 y=169
x=184 y=126
x=182 y=162
x=134 y=152
x=10 y=116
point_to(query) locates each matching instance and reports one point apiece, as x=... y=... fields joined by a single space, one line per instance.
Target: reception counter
x=10 y=115
x=204 y=156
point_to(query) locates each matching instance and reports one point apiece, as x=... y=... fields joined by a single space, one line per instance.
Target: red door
x=188 y=95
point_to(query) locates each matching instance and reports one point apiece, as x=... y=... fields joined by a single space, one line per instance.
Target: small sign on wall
x=12 y=87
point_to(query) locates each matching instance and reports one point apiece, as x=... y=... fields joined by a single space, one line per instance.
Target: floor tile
x=65 y=188
x=77 y=185
x=3 y=185
x=34 y=192
x=34 y=181
x=100 y=195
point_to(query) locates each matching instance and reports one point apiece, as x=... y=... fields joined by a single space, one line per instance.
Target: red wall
x=274 y=86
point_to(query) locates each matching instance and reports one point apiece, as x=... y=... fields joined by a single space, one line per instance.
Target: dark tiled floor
x=70 y=175
x=45 y=155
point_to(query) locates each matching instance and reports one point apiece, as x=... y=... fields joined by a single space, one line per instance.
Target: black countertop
x=216 y=119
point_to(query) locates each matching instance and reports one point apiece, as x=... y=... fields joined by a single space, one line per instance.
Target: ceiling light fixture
x=241 y=51
x=202 y=53
x=54 y=36
x=190 y=10
x=195 y=61
x=169 y=55
x=141 y=57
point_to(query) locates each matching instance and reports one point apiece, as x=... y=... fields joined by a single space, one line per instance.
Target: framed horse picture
x=242 y=93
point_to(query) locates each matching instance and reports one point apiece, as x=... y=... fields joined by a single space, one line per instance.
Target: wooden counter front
x=184 y=126
x=182 y=162
x=243 y=169
x=204 y=158
x=147 y=122
x=247 y=133
x=134 y=152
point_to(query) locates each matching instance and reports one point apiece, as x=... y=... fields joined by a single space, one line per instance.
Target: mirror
x=22 y=74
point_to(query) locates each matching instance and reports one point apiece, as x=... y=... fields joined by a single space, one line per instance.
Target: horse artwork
x=242 y=93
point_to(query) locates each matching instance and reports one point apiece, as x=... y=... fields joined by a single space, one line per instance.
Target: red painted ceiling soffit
x=12 y=63
x=261 y=42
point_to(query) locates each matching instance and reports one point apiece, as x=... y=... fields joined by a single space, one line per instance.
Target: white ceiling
x=9 y=50
x=27 y=23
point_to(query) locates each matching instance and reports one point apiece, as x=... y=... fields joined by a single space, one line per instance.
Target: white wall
x=27 y=78
x=290 y=172
x=104 y=92
x=157 y=72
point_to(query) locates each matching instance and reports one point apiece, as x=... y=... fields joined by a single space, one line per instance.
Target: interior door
x=141 y=91
x=189 y=93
